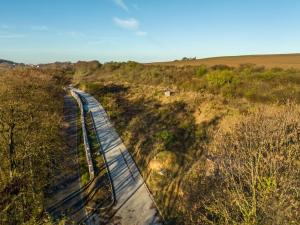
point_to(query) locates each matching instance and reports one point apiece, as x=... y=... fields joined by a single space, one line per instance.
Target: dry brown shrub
x=258 y=178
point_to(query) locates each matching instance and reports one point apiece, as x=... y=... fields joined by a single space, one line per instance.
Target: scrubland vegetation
x=222 y=149
x=31 y=144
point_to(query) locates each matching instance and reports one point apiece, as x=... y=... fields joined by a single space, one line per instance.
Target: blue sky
x=38 y=31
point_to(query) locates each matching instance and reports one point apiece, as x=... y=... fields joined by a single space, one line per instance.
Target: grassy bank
x=183 y=143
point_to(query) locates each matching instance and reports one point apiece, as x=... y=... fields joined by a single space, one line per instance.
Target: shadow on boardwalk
x=68 y=199
x=134 y=203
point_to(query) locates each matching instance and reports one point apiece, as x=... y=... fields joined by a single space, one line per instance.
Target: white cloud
x=40 y=28
x=121 y=4
x=141 y=33
x=129 y=24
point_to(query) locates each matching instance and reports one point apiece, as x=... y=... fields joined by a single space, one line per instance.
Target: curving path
x=134 y=204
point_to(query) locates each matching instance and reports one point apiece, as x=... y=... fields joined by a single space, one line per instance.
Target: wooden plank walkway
x=134 y=204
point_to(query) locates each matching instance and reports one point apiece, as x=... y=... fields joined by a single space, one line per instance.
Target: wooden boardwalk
x=134 y=204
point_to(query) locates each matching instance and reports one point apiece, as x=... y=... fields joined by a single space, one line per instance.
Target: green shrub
x=202 y=70
x=267 y=75
x=85 y=179
x=220 y=78
x=167 y=137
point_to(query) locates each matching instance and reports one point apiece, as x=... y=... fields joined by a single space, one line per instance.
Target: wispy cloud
x=141 y=33
x=121 y=4
x=40 y=28
x=129 y=24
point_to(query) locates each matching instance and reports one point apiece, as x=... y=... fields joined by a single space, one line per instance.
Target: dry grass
x=185 y=125
x=269 y=61
x=254 y=172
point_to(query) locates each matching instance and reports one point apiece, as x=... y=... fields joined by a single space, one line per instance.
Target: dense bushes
x=219 y=79
x=82 y=69
x=30 y=142
x=247 y=174
x=254 y=83
x=166 y=137
x=201 y=71
x=258 y=176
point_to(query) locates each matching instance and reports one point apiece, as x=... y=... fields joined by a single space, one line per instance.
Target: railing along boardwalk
x=70 y=205
x=85 y=136
x=134 y=203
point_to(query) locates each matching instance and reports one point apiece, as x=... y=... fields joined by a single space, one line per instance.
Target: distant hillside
x=3 y=61
x=269 y=61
